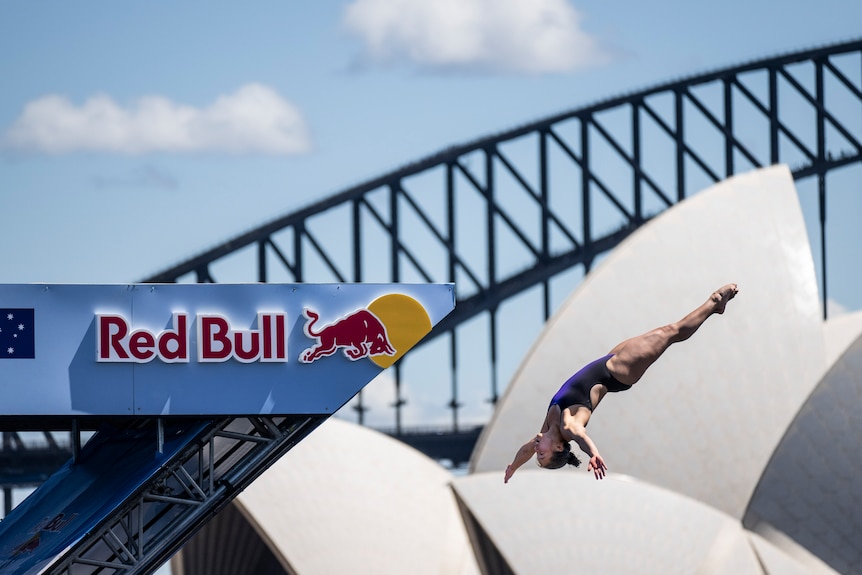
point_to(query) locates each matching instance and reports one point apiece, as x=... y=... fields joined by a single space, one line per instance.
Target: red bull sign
x=205 y=348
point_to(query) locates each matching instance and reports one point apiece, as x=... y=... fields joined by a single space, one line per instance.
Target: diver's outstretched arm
x=573 y=431
x=525 y=452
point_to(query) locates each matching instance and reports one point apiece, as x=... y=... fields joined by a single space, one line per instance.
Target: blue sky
x=134 y=136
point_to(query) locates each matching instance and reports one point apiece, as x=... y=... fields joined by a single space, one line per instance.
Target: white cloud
x=524 y=36
x=252 y=119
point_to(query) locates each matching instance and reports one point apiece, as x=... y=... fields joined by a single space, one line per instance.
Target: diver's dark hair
x=564 y=457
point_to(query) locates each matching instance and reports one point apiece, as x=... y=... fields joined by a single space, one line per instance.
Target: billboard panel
x=204 y=349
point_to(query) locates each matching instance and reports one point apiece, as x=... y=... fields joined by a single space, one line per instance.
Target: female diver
x=572 y=406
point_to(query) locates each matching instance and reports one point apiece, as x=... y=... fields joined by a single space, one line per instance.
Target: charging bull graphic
x=28 y=546
x=359 y=334
x=50 y=525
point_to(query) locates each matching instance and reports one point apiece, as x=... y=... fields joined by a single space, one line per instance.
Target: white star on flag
x=19 y=338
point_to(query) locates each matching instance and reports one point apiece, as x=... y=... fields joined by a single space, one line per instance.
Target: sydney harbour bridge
x=516 y=220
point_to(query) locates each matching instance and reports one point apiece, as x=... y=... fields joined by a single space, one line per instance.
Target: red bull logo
x=49 y=524
x=28 y=546
x=358 y=334
x=382 y=332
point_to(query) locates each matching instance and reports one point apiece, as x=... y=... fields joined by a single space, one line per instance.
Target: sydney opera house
x=737 y=453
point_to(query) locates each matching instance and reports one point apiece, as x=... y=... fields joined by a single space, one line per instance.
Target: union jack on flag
x=17 y=335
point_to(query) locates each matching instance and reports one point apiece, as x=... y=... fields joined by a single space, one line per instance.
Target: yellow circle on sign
x=406 y=322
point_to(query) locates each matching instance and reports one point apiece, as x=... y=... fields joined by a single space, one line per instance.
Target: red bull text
x=217 y=340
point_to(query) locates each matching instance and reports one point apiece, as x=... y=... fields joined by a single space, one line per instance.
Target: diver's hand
x=510 y=471
x=597 y=466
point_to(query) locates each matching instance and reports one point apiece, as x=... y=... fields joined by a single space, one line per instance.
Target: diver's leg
x=633 y=356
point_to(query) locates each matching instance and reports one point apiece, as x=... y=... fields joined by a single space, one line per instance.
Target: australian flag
x=17 y=335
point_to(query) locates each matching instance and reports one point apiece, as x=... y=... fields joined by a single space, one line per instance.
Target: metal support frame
x=152 y=525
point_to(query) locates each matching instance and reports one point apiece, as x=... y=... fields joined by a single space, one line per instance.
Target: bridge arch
x=527 y=212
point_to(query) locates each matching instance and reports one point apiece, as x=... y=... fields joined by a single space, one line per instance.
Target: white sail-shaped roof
x=737 y=453
x=351 y=500
x=567 y=522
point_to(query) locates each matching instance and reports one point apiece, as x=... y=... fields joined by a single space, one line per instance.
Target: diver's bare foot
x=723 y=295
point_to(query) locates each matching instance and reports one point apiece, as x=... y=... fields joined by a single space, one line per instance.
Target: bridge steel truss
x=508 y=214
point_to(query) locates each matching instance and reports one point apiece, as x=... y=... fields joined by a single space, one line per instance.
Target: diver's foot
x=722 y=295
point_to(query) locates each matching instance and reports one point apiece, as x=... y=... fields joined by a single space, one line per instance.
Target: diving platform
x=193 y=391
